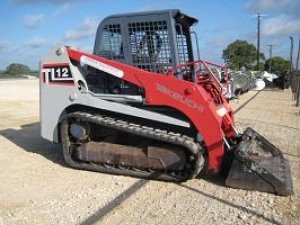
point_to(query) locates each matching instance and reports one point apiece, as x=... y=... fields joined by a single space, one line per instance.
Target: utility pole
x=258 y=40
x=291 y=53
x=297 y=67
x=270 y=56
x=298 y=54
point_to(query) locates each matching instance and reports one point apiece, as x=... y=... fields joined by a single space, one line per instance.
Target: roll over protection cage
x=155 y=41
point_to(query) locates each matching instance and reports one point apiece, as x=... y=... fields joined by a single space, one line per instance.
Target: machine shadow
x=219 y=180
x=231 y=204
x=100 y=214
x=29 y=139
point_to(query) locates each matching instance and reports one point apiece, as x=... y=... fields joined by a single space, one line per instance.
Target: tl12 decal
x=57 y=74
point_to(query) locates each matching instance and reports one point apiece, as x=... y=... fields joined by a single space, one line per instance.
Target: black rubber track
x=144 y=131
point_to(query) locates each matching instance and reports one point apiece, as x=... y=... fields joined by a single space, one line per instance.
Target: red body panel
x=197 y=101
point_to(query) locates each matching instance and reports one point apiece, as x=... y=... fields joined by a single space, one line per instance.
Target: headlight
x=221 y=111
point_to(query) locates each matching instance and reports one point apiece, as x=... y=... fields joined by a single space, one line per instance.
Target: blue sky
x=30 y=27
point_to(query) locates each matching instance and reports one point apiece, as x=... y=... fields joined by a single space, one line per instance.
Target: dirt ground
x=38 y=188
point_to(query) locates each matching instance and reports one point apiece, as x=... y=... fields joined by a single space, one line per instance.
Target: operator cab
x=155 y=41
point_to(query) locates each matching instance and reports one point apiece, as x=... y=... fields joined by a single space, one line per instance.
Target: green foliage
x=278 y=64
x=17 y=69
x=261 y=66
x=241 y=54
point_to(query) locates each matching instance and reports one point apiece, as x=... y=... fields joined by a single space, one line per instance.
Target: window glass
x=112 y=42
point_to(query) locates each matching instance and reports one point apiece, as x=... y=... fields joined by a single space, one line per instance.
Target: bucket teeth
x=259 y=165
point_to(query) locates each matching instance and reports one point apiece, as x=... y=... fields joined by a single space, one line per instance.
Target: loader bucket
x=259 y=165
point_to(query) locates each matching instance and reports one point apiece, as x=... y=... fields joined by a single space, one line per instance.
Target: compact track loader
x=142 y=106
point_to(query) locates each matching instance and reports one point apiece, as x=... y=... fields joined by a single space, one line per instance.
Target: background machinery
x=141 y=105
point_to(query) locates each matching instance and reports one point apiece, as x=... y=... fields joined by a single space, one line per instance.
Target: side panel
x=56 y=96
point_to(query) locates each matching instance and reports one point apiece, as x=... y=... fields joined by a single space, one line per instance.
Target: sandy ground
x=38 y=188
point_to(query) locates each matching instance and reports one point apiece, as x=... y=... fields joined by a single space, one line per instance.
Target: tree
x=17 y=69
x=240 y=54
x=277 y=64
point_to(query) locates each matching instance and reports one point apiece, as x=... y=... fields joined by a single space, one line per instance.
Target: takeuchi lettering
x=178 y=97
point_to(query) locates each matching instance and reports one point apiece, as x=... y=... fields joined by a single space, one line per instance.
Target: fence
x=295 y=86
